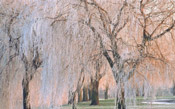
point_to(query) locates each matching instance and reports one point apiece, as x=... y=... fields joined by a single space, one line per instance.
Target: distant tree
x=90 y=91
x=85 y=93
x=95 y=84
x=80 y=96
x=173 y=89
x=72 y=94
x=106 y=91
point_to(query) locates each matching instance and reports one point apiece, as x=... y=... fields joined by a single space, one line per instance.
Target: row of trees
x=123 y=50
x=73 y=41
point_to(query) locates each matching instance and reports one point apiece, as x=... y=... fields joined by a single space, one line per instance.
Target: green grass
x=110 y=103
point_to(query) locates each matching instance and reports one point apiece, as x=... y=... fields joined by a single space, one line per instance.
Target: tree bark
x=121 y=103
x=80 y=97
x=90 y=93
x=106 y=92
x=121 y=99
x=85 y=93
x=95 y=95
x=26 y=98
x=70 y=98
x=90 y=89
x=173 y=88
x=73 y=104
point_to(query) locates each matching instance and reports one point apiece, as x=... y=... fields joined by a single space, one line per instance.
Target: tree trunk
x=121 y=102
x=80 y=97
x=90 y=93
x=73 y=102
x=95 y=96
x=121 y=99
x=173 y=88
x=26 y=98
x=137 y=92
x=106 y=92
x=85 y=93
x=70 y=98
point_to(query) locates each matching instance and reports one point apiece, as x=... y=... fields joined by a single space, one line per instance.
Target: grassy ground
x=110 y=103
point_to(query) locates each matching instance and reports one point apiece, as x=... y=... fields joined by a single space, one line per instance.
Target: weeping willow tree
x=52 y=43
x=123 y=46
x=34 y=35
